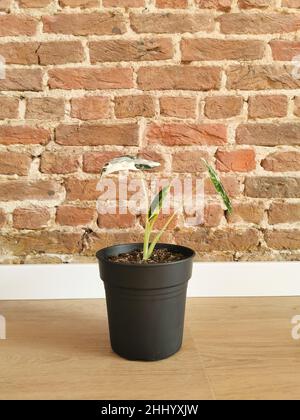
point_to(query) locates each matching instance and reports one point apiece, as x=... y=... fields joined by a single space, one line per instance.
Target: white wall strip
x=209 y=280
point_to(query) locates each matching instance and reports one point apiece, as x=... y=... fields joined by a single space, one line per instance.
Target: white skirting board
x=209 y=280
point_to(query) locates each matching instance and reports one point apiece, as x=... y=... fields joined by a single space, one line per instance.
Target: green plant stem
x=147 y=239
x=158 y=236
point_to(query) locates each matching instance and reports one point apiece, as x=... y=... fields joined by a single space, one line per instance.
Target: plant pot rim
x=102 y=255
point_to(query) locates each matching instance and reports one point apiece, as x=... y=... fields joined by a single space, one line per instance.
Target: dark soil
x=159 y=256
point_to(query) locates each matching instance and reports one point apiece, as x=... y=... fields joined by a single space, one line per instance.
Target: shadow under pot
x=145 y=302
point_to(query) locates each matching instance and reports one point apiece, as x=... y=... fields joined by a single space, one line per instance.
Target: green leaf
x=128 y=163
x=214 y=177
x=157 y=203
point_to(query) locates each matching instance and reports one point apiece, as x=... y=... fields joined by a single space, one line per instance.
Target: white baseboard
x=209 y=280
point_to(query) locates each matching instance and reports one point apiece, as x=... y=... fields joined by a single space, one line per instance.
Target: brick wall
x=87 y=80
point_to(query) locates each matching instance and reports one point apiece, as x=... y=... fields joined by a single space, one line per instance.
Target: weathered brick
x=272 y=187
x=79 y=3
x=178 y=107
x=171 y=4
x=223 y=5
x=23 y=135
x=29 y=190
x=162 y=23
x=232 y=184
x=75 y=216
x=116 y=221
x=85 y=24
x=90 y=78
x=12 y=163
x=284 y=50
x=134 y=106
x=259 y=23
x=291 y=3
x=90 y=108
x=261 y=77
x=97 y=135
x=83 y=190
x=189 y=162
x=62 y=52
x=45 y=109
x=31 y=218
x=14 y=25
x=123 y=3
x=217 y=107
x=5 y=5
x=19 y=52
x=187 y=134
x=2 y=218
x=282 y=162
x=59 y=163
x=242 y=160
x=9 y=108
x=204 y=240
x=254 y=4
x=34 y=3
x=282 y=239
x=179 y=78
x=22 y=80
x=297 y=106
x=284 y=213
x=93 y=162
x=268 y=134
x=221 y=49
x=213 y=214
x=268 y=106
x=131 y=50
x=247 y=213
x=40 y=243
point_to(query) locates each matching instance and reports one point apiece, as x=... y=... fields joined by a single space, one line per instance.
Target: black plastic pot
x=145 y=303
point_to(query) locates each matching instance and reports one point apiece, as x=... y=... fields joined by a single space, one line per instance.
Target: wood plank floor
x=233 y=349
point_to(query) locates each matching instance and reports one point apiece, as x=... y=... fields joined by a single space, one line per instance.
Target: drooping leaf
x=214 y=177
x=128 y=163
x=157 y=203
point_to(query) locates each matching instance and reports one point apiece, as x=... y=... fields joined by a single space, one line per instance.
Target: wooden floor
x=233 y=349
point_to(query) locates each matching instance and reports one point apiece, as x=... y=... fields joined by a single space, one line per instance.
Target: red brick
x=283 y=50
x=178 y=107
x=59 y=163
x=235 y=160
x=116 y=221
x=221 y=49
x=131 y=50
x=261 y=77
x=9 y=108
x=134 y=106
x=19 y=52
x=12 y=163
x=213 y=214
x=254 y=4
x=14 y=25
x=97 y=135
x=31 y=218
x=23 y=135
x=62 y=52
x=297 y=106
x=259 y=23
x=85 y=24
x=90 y=108
x=282 y=162
x=79 y=3
x=29 y=190
x=187 y=134
x=284 y=213
x=247 y=213
x=91 y=78
x=34 y=3
x=171 y=4
x=179 y=78
x=45 y=109
x=223 y=5
x=223 y=106
x=74 y=216
x=268 y=106
x=232 y=184
x=268 y=134
x=272 y=187
x=22 y=80
x=283 y=239
x=93 y=162
x=162 y=23
x=291 y=3
x=5 y=5
x=83 y=190
x=189 y=162
x=123 y=3
x=2 y=216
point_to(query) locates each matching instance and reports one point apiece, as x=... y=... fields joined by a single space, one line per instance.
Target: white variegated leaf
x=128 y=163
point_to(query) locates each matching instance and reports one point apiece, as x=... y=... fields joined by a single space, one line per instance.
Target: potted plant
x=146 y=283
